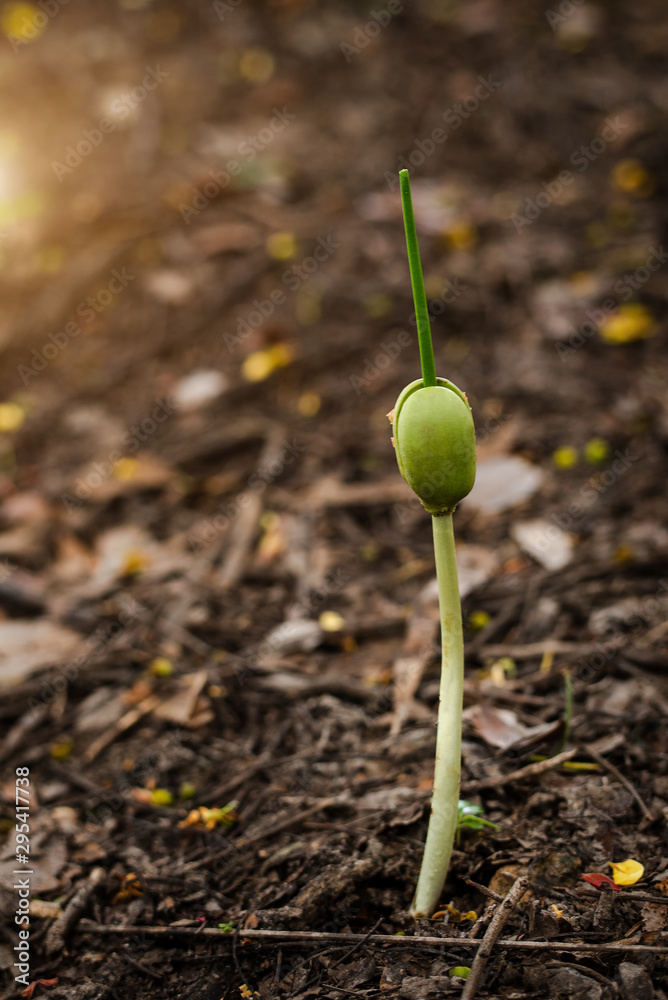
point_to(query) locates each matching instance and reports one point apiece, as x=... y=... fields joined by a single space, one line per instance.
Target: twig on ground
x=58 y=931
x=318 y=937
x=492 y=933
x=359 y=944
x=640 y=897
x=130 y=719
x=586 y=971
x=289 y=821
x=530 y=771
x=142 y=968
x=616 y=773
x=541 y=766
x=484 y=890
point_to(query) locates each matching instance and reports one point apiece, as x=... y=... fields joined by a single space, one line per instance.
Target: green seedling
x=434 y=439
x=469 y=817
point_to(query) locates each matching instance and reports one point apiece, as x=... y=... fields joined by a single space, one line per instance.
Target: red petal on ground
x=596 y=879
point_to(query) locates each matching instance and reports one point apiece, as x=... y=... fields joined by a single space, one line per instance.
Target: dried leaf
x=500 y=727
x=503 y=482
x=30 y=646
x=30 y=989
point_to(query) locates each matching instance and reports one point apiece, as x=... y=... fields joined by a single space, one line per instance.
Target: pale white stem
x=445 y=797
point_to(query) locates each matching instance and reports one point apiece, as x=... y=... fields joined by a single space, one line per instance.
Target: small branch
x=140 y=967
x=639 y=897
x=357 y=946
x=530 y=771
x=127 y=721
x=318 y=937
x=484 y=890
x=58 y=931
x=616 y=773
x=492 y=933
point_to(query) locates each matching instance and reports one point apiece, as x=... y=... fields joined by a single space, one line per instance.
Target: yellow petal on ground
x=11 y=417
x=631 y=322
x=462 y=235
x=281 y=246
x=61 y=751
x=126 y=469
x=162 y=797
x=20 y=20
x=331 y=621
x=309 y=404
x=627 y=872
x=632 y=177
x=557 y=912
x=134 y=563
x=273 y=542
x=565 y=457
x=597 y=451
x=161 y=667
x=260 y=364
x=478 y=620
x=257 y=65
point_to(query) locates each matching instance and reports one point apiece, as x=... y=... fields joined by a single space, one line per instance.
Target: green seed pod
x=434 y=438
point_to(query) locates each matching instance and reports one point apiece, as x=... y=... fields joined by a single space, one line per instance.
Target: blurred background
x=210 y=190
x=207 y=309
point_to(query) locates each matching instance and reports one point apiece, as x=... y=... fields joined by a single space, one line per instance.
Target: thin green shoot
x=417 y=282
x=568 y=709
